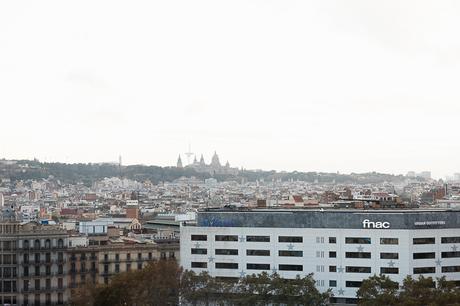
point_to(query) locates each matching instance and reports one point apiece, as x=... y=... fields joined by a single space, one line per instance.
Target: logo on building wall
x=378 y=224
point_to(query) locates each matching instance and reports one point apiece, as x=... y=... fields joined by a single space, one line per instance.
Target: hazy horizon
x=325 y=86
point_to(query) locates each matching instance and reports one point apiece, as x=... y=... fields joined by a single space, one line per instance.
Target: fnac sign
x=377 y=224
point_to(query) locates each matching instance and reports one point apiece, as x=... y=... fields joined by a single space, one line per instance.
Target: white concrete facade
x=435 y=258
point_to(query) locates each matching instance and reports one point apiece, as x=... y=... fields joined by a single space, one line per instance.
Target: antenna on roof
x=189 y=154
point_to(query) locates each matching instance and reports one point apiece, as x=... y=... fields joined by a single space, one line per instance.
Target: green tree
x=155 y=285
x=381 y=290
x=378 y=291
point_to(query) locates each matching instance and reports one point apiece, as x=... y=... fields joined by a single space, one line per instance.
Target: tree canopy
x=382 y=291
x=163 y=283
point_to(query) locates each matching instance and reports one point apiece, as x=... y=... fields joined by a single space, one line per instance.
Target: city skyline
x=306 y=86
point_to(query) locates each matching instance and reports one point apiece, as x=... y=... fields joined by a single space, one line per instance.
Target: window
x=172 y=255
x=332 y=269
x=226 y=238
x=332 y=283
x=450 y=269
x=385 y=270
x=26 y=285
x=117 y=257
x=389 y=241
x=128 y=256
x=353 y=284
x=26 y=271
x=60 y=243
x=150 y=255
x=226 y=252
x=47 y=244
x=37 y=270
x=450 y=240
x=319 y=268
x=26 y=244
x=424 y=240
x=357 y=255
x=319 y=239
x=290 y=267
x=389 y=256
x=226 y=265
x=332 y=240
x=320 y=254
x=199 y=238
x=201 y=265
x=257 y=238
x=450 y=254
x=198 y=251
x=332 y=254
x=290 y=253
x=60 y=283
x=255 y=266
x=358 y=240
x=293 y=239
x=139 y=266
x=258 y=252
x=424 y=270
x=37 y=244
x=25 y=258
x=139 y=256
x=117 y=268
x=355 y=269
x=37 y=284
x=423 y=255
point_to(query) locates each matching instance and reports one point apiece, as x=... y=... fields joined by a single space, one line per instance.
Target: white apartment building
x=341 y=247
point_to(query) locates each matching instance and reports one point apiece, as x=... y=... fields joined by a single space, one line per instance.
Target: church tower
x=202 y=160
x=179 y=162
x=215 y=161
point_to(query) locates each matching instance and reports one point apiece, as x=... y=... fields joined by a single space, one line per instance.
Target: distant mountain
x=88 y=173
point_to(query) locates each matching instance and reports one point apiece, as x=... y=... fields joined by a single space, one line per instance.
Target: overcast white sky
x=286 y=85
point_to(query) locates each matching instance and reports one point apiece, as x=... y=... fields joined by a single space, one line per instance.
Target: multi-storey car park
x=341 y=247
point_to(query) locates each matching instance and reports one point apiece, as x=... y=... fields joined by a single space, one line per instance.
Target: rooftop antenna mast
x=189 y=154
x=119 y=165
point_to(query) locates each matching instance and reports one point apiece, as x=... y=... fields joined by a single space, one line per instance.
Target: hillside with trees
x=89 y=173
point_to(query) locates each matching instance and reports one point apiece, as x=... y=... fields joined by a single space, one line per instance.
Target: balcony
x=43 y=289
x=45 y=262
x=42 y=249
x=43 y=274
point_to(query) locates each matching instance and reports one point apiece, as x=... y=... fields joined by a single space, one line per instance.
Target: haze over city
x=286 y=85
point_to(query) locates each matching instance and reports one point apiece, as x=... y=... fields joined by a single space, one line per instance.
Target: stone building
x=96 y=264
x=33 y=264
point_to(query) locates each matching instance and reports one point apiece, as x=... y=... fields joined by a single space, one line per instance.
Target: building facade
x=341 y=247
x=33 y=264
x=97 y=264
